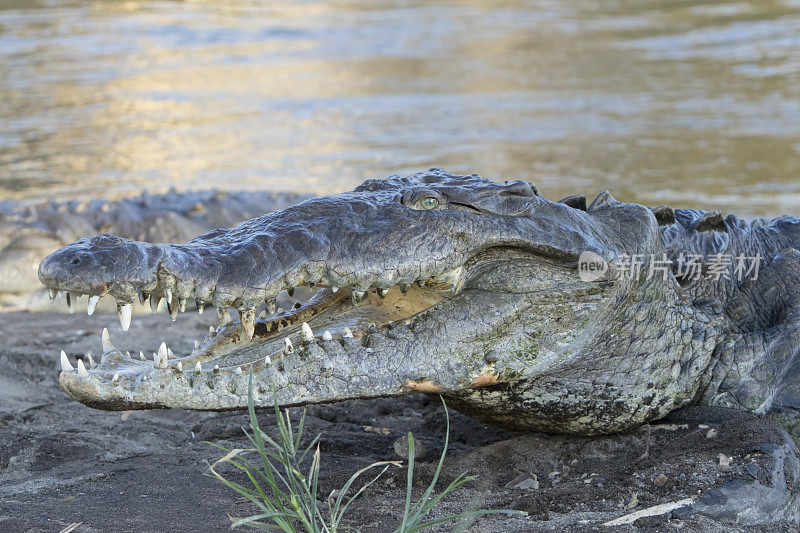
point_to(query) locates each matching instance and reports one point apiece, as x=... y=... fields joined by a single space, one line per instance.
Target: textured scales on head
x=443 y=284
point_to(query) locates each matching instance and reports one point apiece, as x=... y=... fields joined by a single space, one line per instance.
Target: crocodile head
x=434 y=282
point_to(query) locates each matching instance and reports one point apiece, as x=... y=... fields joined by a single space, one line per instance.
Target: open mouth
x=261 y=339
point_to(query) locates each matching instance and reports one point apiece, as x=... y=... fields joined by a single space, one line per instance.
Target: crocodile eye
x=429 y=203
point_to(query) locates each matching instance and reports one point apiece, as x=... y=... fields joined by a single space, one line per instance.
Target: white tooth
x=168 y=295
x=144 y=378
x=334 y=289
x=238 y=371
x=66 y=366
x=71 y=297
x=280 y=311
x=92 y=304
x=180 y=366
x=170 y=353
x=124 y=312
x=198 y=367
x=288 y=348
x=211 y=331
x=267 y=361
x=270 y=306
x=115 y=379
x=200 y=307
x=182 y=304
x=154 y=301
x=348 y=334
x=262 y=315
x=308 y=335
x=216 y=369
x=248 y=318
x=327 y=336
x=141 y=356
x=162 y=356
x=82 y=369
x=53 y=294
x=92 y=364
x=106 y=339
x=196 y=344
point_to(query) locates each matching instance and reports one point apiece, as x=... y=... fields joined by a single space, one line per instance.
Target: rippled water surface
x=684 y=103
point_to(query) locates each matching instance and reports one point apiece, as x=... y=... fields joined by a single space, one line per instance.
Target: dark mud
x=63 y=463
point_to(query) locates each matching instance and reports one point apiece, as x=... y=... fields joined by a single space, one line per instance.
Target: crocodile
x=31 y=230
x=459 y=286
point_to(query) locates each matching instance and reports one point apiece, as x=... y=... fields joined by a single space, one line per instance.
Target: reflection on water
x=660 y=101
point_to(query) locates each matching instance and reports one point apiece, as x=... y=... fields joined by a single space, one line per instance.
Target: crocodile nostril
x=76 y=261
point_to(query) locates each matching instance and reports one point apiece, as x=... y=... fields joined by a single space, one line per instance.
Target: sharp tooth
x=211 y=331
x=357 y=296
x=216 y=369
x=262 y=315
x=196 y=344
x=141 y=356
x=82 y=369
x=170 y=353
x=404 y=287
x=127 y=354
x=270 y=306
x=92 y=304
x=327 y=336
x=162 y=356
x=154 y=301
x=106 y=340
x=267 y=361
x=53 y=293
x=180 y=366
x=290 y=292
x=115 y=379
x=92 y=364
x=248 y=317
x=168 y=295
x=124 y=312
x=348 y=333
x=66 y=366
x=287 y=345
x=173 y=311
x=334 y=288
x=238 y=370
x=200 y=306
x=143 y=296
x=280 y=311
x=182 y=304
x=381 y=292
x=198 y=367
x=308 y=335
x=223 y=317
x=71 y=297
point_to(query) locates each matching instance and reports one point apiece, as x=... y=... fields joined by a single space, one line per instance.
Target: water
x=688 y=104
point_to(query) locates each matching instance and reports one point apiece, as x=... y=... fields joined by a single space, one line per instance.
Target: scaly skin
x=28 y=233
x=459 y=286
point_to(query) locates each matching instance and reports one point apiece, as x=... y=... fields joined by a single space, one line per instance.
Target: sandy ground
x=62 y=463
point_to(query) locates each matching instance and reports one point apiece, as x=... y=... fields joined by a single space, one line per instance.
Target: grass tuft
x=286 y=497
